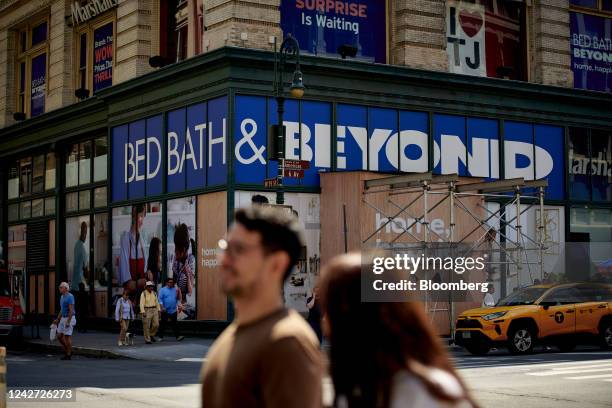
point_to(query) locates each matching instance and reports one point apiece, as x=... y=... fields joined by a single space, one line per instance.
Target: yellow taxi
x=562 y=315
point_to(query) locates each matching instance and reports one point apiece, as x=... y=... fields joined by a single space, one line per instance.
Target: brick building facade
x=417 y=38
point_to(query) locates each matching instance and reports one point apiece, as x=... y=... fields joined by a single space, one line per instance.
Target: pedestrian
x=82 y=301
x=383 y=354
x=489 y=300
x=124 y=314
x=65 y=321
x=150 y=310
x=169 y=300
x=314 y=313
x=268 y=356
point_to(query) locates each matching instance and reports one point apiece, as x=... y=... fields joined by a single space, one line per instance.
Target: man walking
x=169 y=296
x=65 y=320
x=149 y=308
x=268 y=356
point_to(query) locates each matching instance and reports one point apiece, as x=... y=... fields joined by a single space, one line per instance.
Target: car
x=562 y=315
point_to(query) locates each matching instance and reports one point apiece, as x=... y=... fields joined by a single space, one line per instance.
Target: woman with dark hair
x=154 y=262
x=401 y=360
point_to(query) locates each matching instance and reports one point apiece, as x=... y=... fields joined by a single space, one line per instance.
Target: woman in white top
x=383 y=355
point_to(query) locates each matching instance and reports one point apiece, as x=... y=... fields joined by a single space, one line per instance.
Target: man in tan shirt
x=150 y=310
x=268 y=356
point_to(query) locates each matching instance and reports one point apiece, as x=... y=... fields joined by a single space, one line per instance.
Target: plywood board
x=212 y=226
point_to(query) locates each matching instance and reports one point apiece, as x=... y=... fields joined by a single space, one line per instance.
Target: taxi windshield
x=525 y=296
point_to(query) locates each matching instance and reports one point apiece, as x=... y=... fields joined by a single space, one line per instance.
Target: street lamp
x=290 y=48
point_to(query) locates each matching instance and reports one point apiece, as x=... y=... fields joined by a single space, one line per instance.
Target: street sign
x=271 y=182
x=296 y=164
x=291 y=173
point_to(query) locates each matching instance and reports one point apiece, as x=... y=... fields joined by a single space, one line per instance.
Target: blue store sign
x=388 y=140
x=322 y=26
x=362 y=138
x=196 y=145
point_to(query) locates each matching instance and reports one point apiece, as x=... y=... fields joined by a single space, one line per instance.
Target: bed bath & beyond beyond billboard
x=362 y=138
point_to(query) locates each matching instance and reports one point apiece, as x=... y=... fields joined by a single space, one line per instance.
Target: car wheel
x=566 y=346
x=478 y=349
x=606 y=335
x=521 y=340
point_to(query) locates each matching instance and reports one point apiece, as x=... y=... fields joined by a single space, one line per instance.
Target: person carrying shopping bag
x=124 y=314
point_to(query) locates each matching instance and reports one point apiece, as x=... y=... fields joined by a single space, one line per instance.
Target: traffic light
x=273 y=141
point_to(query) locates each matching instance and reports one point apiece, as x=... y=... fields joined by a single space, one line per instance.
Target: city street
x=548 y=379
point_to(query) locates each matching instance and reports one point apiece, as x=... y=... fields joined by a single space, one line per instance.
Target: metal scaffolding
x=514 y=251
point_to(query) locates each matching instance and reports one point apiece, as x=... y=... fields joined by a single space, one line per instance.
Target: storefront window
x=13 y=212
x=72 y=202
x=72 y=169
x=84 y=200
x=85 y=162
x=50 y=172
x=100 y=161
x=25 y=210
x=601 y=165
x=25 y=186
x=597 y=222
x=13 y=181
x=33 y=40
x=38 y=208
x=100 y=197
x=579 y=163
x=487 y=38
x=38 y=177
x=17 y=258
x=50 y=206
x=590 y=164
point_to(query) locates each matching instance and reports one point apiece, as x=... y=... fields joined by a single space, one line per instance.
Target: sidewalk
x=104 y=345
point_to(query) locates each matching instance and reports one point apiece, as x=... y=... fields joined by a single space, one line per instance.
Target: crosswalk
x=579 y=370
x=592 y=366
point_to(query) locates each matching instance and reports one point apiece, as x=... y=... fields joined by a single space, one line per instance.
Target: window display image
x=182 y=252
x=300 y=285
x=135 y=229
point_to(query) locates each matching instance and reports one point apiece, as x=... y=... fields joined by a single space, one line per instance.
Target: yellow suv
x=562 y=315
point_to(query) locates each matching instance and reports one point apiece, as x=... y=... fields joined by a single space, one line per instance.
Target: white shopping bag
x=53 y=332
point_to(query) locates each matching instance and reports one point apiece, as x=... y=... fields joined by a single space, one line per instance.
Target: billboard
x=38 y=85
x=321 y=27
x=391 y=140
x=103 y=57
x=194 y=147
x=591 y=49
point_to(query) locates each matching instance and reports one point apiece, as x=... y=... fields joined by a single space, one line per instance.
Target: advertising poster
x=591 y=49
x=182 y=252
x=137 y=248
x=212 y=226
x=484 y=40
x=77 y=252
x=302 y=281
x=103 y=57
x=38 y=85
x=466 y=38
x=322 y=27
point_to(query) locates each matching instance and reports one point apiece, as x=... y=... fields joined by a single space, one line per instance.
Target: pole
x=280 y=103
